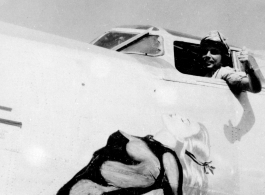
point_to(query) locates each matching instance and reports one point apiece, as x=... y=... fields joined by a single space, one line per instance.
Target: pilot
x=217 y=64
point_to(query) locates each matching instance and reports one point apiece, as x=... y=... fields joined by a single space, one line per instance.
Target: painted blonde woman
x=191 y=144
x=174 y=161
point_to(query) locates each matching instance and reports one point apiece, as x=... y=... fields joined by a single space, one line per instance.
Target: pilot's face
x=211 y=57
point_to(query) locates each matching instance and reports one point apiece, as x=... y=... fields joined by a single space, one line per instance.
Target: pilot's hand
x=243 y=57
x=252 y=83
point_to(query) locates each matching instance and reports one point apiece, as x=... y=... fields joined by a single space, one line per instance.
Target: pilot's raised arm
x=252 y=83
x=216 y=61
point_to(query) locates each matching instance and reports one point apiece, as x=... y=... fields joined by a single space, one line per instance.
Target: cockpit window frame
x=130 y=35
x=156 y=46
x=153 y=51
x=196 y=61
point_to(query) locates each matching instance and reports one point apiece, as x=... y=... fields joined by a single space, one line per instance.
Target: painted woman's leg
x=172 y=172
x=85 y=187
x=141 y=175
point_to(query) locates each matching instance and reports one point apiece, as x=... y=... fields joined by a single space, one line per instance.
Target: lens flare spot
x=36 y=156
x=166 y=95
x=100 y=68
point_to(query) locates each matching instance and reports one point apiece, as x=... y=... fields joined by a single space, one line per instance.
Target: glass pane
x=188 y=59
x=147 y=45
x=112 y=39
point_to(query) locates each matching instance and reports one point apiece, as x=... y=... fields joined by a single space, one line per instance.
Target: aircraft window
x=188 y=58
x=148 y=45
x=112 y=39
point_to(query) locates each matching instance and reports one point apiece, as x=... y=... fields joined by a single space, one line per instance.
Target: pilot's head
x=215 y=51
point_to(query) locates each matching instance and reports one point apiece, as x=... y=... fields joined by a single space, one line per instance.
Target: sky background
x=241 y=21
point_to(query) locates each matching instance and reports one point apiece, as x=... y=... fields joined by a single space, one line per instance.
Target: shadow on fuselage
x=234 y=133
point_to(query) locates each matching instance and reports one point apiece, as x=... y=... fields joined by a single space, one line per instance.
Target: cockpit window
x=142 y=44
x=112 y=39
x=187 y=58
x=148 y=45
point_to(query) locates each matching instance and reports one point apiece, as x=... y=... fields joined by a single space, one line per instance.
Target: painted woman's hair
x=195 y=179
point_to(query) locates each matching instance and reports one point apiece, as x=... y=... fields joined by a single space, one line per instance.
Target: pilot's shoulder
x=228 y=70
